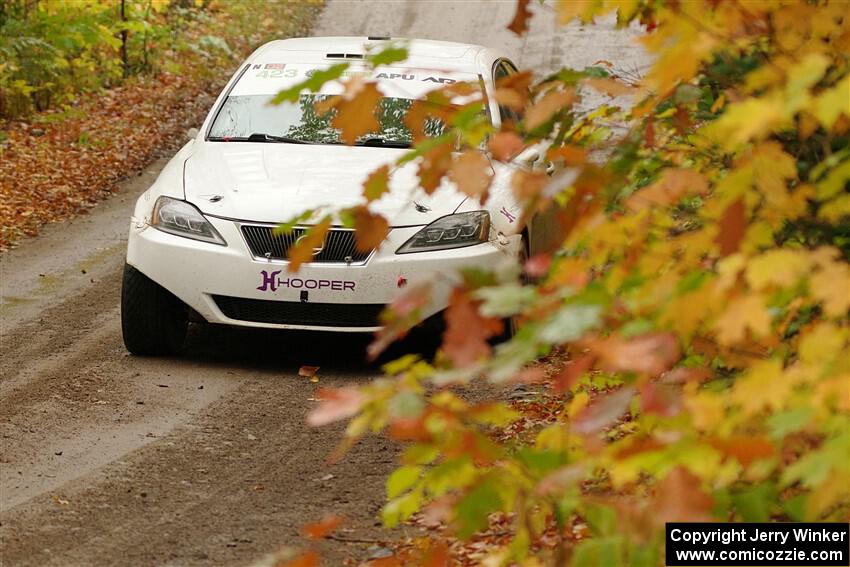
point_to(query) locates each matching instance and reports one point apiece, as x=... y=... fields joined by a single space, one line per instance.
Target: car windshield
x=250 y=117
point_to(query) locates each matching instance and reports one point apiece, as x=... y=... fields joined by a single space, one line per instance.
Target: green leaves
x=311 y=84
x=472 y=511
x=402 y=479
x=387 y=55
x=570 y=323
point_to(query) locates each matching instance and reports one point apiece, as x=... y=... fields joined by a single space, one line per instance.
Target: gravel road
x=109 y=459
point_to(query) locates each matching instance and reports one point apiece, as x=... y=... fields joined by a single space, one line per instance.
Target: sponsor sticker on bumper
x=271 y=282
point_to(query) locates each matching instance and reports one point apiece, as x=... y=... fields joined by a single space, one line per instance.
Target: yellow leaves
x=801 y=77
x=472 y=173
x=762 y=386
x=781 y=267
x=706 y=410
x=743 y=313
x=832 y=103
x=823 y=344
x=550 y=104
x=585 y=10
x=750 y=119
x=772 y=167
x=831 y=286
x=377 y=183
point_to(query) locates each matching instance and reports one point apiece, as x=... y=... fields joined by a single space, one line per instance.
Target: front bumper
x=212 y=279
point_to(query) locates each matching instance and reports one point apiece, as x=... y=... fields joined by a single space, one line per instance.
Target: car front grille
x=296 y=313
x=338 y=246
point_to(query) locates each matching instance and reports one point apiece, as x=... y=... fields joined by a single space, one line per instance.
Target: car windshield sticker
x=270 y=77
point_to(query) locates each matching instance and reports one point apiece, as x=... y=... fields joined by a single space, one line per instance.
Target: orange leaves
x=309 y=372
x=650 y=353
x=336 y=404
x=304 y=248
x=434 y=165
x=528 y=184
x=513 y=90
x=673 y=184
x=519 y=24
x=611 y=87
x=548 y=106
x=679 y=498
x=370 y=229
x=467 y=331
x=322 y=528
x=744 y=449
x=472 y=173
x=505 y=145
x=356 y=110
x=733 y=225
x=309 y=558
x=604 y=412
x=400 y=317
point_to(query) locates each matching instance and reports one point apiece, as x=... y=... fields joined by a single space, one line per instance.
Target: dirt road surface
x=203 y=459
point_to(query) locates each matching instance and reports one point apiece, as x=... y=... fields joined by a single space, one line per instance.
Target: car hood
x=276 y=182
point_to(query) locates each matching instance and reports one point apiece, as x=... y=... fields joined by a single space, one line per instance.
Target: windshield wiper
x=258 y=137
x=383 y=143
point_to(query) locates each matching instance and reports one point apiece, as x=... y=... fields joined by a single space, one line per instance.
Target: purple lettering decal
x=271 y=282
x=511 y=218
x=268 y=283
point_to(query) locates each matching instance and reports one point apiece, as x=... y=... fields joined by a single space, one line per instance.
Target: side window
x=503 y=69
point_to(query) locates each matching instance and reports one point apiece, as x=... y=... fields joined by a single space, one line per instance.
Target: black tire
x=153 y=321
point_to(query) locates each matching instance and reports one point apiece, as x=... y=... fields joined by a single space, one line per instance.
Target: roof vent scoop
x=344 y=56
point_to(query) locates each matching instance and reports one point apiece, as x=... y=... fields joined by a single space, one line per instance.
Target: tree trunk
x=124 y=60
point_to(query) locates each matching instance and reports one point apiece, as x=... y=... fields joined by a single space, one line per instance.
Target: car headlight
x=452 y=231
x=183 y=219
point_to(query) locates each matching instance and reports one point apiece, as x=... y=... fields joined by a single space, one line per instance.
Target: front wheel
x=153 y=321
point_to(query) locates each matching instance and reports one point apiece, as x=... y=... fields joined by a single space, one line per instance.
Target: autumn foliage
x=693 y=320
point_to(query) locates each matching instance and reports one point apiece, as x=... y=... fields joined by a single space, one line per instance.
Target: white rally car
x=202 y=244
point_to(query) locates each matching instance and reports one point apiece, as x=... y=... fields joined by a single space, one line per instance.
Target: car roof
x=424 y=53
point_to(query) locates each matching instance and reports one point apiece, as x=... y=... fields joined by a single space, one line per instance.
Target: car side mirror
x=529 y=156
x=192 y=133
